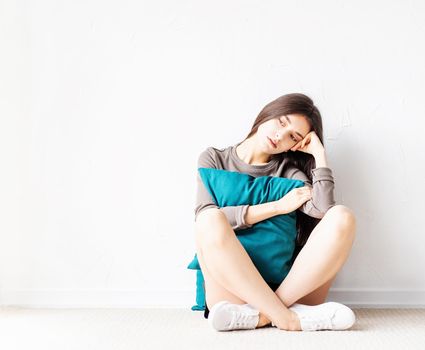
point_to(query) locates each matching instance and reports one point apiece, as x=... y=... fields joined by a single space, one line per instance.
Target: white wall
x=106 y=105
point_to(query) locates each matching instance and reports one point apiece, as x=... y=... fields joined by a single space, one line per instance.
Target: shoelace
x=323 y=323
x=240 y=320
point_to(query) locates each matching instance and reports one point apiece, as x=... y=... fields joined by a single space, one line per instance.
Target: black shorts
x=271 y=285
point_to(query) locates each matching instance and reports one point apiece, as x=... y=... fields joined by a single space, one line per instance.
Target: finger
x=296 y=146
x=305 y=141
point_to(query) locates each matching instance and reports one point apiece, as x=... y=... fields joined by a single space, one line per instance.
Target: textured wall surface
x=106 y=105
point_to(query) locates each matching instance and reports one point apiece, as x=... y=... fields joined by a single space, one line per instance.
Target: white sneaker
x=330 y=315
x=225 y=316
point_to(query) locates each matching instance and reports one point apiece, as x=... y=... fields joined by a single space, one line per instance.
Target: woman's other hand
x=294 y=199
x=309 y=144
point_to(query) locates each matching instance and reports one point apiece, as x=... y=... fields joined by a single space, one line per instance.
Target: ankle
x=263 y=320
x=291 y=323
x=294 y=323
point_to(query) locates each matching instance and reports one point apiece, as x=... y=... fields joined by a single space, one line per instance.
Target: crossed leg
x=229 y=273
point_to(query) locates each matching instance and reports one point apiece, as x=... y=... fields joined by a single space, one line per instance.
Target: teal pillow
x=269 y=243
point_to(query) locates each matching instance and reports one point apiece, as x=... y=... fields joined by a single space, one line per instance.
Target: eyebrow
x=290 y=123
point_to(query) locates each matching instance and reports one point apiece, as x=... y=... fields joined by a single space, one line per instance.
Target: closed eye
x=292 y=136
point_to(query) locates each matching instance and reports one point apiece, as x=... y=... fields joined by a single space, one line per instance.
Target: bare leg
x=318 y=296
x=217 y=292
x=323 y=255
x=338 y=220
x=318 y=262
x=231 y=267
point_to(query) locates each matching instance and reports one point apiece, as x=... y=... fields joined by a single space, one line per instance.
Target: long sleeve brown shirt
x=227 y=159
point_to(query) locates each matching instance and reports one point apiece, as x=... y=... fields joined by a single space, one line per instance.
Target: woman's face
x=284 y=131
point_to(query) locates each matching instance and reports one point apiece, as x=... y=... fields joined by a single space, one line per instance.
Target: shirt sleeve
x=235 y=214
x=323 y=190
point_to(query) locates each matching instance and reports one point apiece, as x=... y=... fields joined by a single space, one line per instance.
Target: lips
x=273 y=144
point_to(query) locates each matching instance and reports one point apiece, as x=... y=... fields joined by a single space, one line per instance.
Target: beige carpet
x=105 y=329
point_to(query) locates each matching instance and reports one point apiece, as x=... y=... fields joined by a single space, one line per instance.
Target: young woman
x=286 y=140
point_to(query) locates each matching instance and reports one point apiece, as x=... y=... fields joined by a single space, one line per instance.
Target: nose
x=279 y=135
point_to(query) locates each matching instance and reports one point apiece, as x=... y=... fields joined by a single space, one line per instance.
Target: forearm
x=321 y=160
x=260 y=212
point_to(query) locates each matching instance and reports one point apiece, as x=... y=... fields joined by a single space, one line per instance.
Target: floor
x=23 y=328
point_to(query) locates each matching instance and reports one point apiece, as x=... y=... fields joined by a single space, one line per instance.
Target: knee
x=208 y=228
x=207 y=216
x=344 y=217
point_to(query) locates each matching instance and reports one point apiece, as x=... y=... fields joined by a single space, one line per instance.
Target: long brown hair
x=295 y=103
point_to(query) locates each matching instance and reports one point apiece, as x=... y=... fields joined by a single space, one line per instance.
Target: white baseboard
x=378 y=298
x=91 y=298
